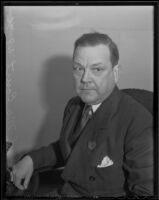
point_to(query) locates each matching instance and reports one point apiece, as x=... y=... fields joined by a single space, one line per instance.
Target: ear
x=116 y=73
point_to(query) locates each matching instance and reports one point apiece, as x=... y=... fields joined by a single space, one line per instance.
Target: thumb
x=26 y=181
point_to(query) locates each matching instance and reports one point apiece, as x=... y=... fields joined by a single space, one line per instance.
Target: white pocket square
x=106 y=162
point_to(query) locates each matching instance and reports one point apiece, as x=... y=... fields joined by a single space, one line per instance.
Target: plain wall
x=41 y=77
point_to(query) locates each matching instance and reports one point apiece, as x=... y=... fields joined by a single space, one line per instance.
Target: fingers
x=26 y=182
x=11 y=176
x=22 y=172
x=17 y=181
x=19 y=185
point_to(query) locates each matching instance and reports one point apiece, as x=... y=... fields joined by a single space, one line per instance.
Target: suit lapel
x=105 y=112
x=69 y=127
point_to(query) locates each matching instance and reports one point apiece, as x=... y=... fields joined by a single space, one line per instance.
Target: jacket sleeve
x=49 y=155
x=46 y=156
x=138 y=160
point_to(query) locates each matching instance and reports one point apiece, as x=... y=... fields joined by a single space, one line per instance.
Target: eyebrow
x=93 y=65
x=97 y=64
x=74 y=62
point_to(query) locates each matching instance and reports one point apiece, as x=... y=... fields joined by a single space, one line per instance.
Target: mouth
x=86 y=89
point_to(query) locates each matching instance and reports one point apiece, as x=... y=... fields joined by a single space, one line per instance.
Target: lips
x=86 y=89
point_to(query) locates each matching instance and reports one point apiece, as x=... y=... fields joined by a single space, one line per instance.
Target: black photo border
x=155 y=5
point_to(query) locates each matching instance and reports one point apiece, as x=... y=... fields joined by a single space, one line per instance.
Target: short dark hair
x=96 y=38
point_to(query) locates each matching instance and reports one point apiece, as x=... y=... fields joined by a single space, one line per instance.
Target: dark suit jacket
x=120 y=131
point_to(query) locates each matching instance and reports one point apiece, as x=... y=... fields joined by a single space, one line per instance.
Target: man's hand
x=22 y=173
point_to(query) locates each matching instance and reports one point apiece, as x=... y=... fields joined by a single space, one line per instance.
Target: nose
x=85 y=76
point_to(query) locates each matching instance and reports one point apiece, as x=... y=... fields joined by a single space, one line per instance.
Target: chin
x=88 y=100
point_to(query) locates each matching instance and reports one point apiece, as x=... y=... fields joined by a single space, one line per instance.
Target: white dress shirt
x=95 y=107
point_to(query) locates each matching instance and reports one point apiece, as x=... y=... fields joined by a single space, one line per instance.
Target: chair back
x=144 y=97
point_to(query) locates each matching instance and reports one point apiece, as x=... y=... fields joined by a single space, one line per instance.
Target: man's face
x=93 y=73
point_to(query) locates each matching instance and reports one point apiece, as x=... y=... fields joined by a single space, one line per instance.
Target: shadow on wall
x=56 y=87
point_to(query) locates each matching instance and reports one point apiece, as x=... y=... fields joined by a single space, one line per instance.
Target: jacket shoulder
x=134 y=114
x=74 y=101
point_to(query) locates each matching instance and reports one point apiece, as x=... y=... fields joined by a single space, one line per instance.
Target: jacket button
x=91 y=145
x=92 y=178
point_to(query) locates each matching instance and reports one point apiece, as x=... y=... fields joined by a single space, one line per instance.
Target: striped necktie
x=86 y=115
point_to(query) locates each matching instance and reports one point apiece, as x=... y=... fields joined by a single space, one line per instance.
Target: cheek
x=100 y=84
x=103 y=84
x=76 y=82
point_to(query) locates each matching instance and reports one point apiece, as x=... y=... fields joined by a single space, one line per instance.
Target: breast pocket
x=99 y=156
x=104 y=167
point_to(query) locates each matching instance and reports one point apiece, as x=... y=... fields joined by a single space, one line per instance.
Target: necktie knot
x=87 y=114
x=88 y=110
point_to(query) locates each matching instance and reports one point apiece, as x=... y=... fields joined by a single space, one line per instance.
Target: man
x=112 y=154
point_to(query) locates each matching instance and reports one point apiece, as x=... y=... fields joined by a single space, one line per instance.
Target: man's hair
x=93 y=39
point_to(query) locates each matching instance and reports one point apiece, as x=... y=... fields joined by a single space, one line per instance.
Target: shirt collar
x=95 y=107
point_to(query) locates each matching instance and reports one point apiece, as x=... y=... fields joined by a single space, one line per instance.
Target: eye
x=77 y=67
x=98 y=69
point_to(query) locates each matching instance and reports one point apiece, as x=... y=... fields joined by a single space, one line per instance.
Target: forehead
x=99 y=52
